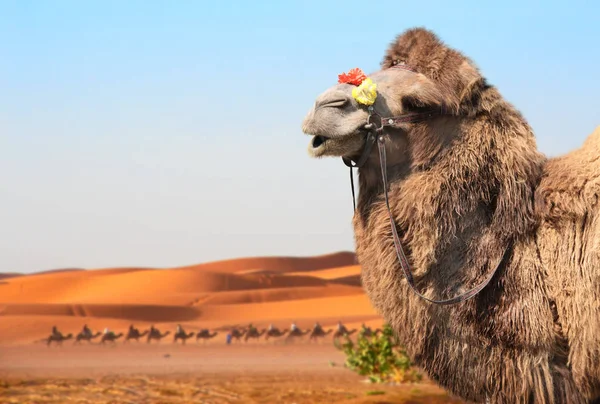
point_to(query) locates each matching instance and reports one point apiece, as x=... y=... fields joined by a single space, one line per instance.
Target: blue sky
x=159 y=133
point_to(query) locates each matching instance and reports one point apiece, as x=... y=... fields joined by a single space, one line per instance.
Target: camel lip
x=334 y=145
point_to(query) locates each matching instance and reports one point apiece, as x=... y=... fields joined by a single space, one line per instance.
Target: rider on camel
x=341 y=328
x=294 y=327
x=86 y=331
x=317 y=327
x=55 y=331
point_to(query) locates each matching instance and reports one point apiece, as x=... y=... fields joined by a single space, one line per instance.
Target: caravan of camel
x=233 y=334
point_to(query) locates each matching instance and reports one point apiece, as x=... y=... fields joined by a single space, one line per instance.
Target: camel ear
x=413 y=103
x=468 y=86
x=459 y=94
x=453 y=73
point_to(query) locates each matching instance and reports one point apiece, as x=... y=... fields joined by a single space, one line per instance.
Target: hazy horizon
x=159 y=134
x=189 y=264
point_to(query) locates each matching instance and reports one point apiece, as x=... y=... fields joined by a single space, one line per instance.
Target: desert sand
x=218 y=296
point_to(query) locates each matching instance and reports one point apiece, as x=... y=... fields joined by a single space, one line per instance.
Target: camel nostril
x=318 y=141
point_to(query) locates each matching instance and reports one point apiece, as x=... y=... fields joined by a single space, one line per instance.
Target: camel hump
x=570 y=184
x=593 y=141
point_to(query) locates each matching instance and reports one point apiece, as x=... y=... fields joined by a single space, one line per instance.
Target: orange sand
x=214 y=295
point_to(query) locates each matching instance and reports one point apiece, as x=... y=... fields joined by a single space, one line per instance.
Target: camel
x=205 y=335
x=134 y=333
x=297 y=333
x=110 y=337
x=368 y=331
x=472 y=214
x=275 y=333
x=154 y=334
x=254 y=333
x=317 y=333
x=86 y=337
x=237 y=334
x=58 y=338
x=343 y=333
x=182 y=336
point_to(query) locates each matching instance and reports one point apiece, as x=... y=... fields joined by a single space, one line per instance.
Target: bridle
x=376 y=126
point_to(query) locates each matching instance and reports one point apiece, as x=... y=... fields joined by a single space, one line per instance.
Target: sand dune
x=310 y=309
x=140 y=312
x=261 y=290
x=281 y=264
x=4 y=275
x=349 y=275
x=59 y=270
x=332 y=273
x=281 y=294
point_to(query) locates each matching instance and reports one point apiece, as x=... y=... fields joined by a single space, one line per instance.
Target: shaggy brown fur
x=475 y=189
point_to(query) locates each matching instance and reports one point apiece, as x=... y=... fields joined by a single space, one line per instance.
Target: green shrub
x=379 y=357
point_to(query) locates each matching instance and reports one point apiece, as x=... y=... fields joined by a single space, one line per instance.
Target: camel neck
x=480 y=189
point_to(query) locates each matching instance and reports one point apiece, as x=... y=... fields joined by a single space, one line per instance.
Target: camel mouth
x=336 y=146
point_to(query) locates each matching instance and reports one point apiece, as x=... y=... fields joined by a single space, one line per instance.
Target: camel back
x=571 y=183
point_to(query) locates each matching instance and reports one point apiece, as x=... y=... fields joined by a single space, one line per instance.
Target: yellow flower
x=366 y=93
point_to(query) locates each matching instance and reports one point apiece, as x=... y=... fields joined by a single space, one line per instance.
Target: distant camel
x=110 y=337
x=275 y=333
x=58 y=338
x=253 y=333
x=368 y=332
x=182 y=336
x=343 y=333
x=237 y=334
x=297 y=333
x=317 y=333
x=135 y=334
x=82 y=336
x=205 y=335
x=155 y=334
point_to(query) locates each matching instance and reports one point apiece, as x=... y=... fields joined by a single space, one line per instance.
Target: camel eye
x=413 y=104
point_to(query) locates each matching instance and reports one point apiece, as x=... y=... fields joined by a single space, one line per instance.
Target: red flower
x=354 y=76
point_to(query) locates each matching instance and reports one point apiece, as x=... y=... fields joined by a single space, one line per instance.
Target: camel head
x=338 y=122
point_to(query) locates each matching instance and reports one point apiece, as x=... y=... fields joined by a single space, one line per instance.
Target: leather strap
x=400 y=252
